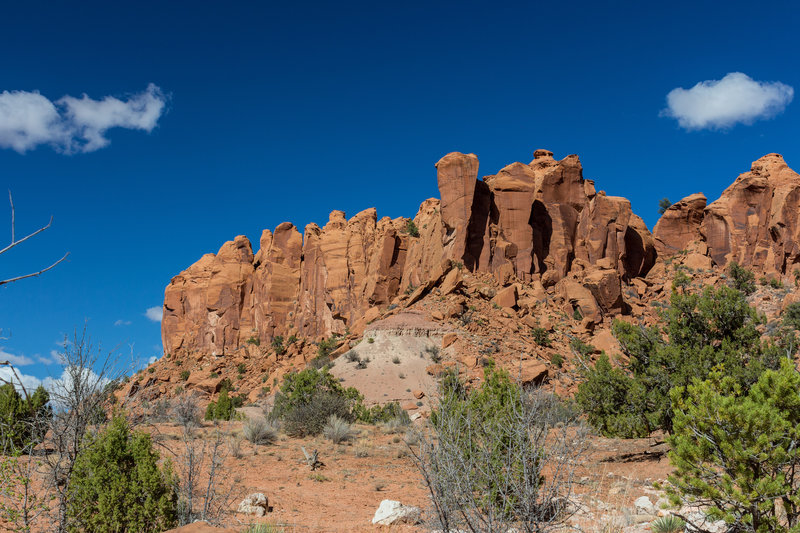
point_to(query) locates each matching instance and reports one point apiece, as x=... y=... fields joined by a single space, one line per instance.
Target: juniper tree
x=736 y=450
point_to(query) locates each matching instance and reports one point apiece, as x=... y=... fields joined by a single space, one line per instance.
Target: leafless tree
x=205 y=490
x=527 y=456
x=186 y=412
x=14 y=242
x=80 y=399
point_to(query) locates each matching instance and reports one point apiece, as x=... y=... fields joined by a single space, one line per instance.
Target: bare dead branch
x=19 y=380
x=15 y=242
x=34 y=274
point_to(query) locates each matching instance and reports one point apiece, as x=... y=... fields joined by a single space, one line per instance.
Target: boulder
x=506 y=297
x=451 y=282
x=606 y=287
x=531 y=372
x=393 y=512
x=255 y=504
x=643 y=505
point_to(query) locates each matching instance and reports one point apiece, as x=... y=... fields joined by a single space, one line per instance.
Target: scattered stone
x=393 y=512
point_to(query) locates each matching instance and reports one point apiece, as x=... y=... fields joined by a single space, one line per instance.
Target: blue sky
x=286 y=111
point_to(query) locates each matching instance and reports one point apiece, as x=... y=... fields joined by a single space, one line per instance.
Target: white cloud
x=122 y=323
x=62 y=386
x=154 y=313
x=719 y=104
x=16 y=360
x=152 y=360
x=56 y=358
x=7 y=376
x=70 y=125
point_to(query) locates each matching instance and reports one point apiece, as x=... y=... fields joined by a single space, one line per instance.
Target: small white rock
x=643 y=505
x=393 y=512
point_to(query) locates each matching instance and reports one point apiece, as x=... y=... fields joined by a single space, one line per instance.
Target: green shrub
x=702 y=331
x=222 y=409
x=117 y=484
x=737 y=451
x=775 y=283
x=742 y=280
x=307 y=399
x=580 y=347
x=23 y=422
x=489 y=459
x=241 y=368
x=320 y=361
x=576 y=314
x=370 y=340
x=681 y=281
x=225 y=384
x=663 y=205
x=411 y=228
x=326 y=347
x=557 y=359
x=213 y=375
x=277 y=345
x=381 y=413
x=184 y=375
x=254 y=341
x=791 y=315
x=540 y=336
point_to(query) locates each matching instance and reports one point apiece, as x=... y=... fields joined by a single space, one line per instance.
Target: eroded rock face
x=206 y=306
x=679 y=226
x=529 y=222
x=755 y=221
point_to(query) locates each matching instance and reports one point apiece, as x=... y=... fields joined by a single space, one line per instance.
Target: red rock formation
x=528 y=222
x=679 y=226
x=755 y=221
x=456 y=174
x=203 y=306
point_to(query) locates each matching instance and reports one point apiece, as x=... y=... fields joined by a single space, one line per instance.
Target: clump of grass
x=396 y=360
x=338 y=430
x=433 y=351
x=259 y=431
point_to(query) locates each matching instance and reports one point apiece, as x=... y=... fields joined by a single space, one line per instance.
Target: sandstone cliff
x=539 y=223
x=754 y=222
